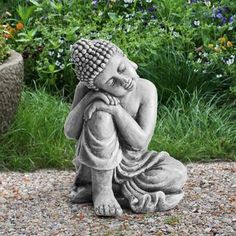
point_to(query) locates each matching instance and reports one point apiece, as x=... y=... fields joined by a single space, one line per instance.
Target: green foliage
x=36 y=139
x=177 y=44
x=4 y=49
x=180 y=45
x=191 y=129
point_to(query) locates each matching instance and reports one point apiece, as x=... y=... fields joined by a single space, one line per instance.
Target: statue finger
x=91 y=111
x=115 y=100
x=86 y=114
x=110 y=99
x=105 y=99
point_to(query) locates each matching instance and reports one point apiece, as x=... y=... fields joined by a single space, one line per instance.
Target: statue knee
x=101 y=124
x=101 y=117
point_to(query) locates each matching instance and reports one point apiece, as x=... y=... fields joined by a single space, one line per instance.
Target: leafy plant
x=177 y=44
x=192 y=129
x=4 y=49
x=25 y=13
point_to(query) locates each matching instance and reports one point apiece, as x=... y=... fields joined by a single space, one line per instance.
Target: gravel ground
x=37 y=204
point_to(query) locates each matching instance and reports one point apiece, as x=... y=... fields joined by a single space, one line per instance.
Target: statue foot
x=105 y=203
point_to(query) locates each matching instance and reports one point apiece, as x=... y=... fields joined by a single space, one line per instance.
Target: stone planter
x=11 y=78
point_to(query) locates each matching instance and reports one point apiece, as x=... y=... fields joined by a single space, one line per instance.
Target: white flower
x=128 y=1
x=50 y=53
x=176 y=34
x=148 y=1
x=196 y=22
x=208 y=63
x=205 y=54
x=230 y=62
x=199 y=60
x=58 y=63
x=61 y=40
x=204 y=71
x=62 y=66
x=195 y=70
x=58 y=55
x=207 y=3
x=60 y=50
x=219 y=76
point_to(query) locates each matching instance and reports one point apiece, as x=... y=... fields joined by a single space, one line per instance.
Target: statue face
x=119 y=76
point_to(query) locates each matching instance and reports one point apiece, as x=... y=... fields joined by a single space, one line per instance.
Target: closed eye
x=111 y=81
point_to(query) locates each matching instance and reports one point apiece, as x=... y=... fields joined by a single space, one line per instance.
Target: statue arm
x=138 y=134
x=80 y=91
x=74 y=121
x=82 y=99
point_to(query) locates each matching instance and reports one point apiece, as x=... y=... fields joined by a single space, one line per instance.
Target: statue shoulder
x=147 y=88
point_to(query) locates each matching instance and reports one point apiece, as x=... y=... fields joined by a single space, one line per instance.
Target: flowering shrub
x=7 y=32
x=177 y=43
x=4 y=50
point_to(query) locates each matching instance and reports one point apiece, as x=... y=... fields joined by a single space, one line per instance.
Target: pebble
x=3 y=200
x=39 y=205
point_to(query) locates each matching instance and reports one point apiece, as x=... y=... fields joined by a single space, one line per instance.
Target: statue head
x=102 y=65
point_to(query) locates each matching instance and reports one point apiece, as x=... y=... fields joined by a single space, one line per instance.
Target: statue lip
x=130 y=85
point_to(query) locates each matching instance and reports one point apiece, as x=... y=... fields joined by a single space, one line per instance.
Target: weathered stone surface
x=113 y=118
x=11 y=77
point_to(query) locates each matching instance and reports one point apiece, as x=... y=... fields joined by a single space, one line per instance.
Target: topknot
x=91 y=57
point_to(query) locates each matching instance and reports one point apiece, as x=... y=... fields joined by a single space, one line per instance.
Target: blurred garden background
x=186 y=48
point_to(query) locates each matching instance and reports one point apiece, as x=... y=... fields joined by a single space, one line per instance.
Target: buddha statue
x=112 y=118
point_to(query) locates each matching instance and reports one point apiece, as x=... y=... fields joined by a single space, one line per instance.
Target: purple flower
x=219 y=15
x=224 y=20
x=151 y=9
x=231 y=19
x=192 y=1
x=95 y=2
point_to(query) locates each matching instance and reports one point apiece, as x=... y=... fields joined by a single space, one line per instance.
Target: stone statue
x=113 y=117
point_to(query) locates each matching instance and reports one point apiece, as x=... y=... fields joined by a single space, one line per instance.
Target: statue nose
x=124 y=80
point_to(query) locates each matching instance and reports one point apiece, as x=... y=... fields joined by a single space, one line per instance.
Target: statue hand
x=107 y=98
x=98 y=106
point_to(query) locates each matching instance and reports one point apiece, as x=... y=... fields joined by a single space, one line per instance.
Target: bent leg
x=99 y=152
x=105 y=203
x=99 y=146
x=157 y=188
x=169 y=175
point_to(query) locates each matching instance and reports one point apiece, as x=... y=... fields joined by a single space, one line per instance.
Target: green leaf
x=35 y=3
x=51 y=68
x=113 y=16
x=25 y=13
